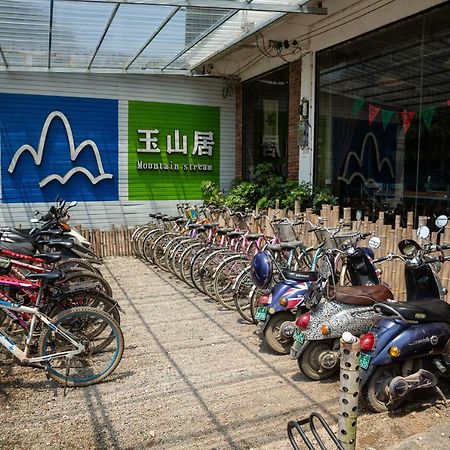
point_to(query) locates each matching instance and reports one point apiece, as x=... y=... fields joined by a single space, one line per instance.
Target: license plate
x=299 y=336
x=364 y=361
x=261 y=314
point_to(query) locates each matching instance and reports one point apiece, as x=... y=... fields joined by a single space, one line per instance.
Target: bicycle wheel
x=147 y=244
x=242 y=294
x=74 y=264
x=88 y=367
x=209 y=267
x=159 y=249
x=183 y=265
x=224 y=280
x=86 y=277
x=197 y=261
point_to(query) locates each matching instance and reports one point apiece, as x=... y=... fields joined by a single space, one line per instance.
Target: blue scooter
x=409 y=349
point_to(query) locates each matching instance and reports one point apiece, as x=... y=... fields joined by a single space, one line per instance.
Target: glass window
x=383 y=115
x=265 y=125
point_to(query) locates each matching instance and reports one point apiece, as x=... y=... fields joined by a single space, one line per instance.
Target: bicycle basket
x=285 y=231
x=5 y=266
x=337 y=240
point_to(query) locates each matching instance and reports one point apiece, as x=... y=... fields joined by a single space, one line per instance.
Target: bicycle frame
x=22 y=355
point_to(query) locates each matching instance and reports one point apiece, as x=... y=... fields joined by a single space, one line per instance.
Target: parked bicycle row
x=56 y=309
x=303 y=299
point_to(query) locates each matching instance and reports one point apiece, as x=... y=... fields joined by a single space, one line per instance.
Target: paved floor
x=192 y=377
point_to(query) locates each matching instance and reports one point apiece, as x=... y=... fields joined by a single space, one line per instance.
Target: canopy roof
x=139 y=36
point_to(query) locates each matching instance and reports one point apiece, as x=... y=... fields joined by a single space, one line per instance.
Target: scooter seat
x=275 y=248
x=300 y=276
x=363 y=295
x=425 y=310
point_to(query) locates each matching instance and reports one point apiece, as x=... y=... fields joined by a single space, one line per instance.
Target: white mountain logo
x=369 y=182
x=74 y=152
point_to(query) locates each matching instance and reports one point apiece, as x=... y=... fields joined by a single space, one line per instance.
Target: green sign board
x=172 y=148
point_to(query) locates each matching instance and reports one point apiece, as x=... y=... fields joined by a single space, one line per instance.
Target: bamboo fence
x=117 y=240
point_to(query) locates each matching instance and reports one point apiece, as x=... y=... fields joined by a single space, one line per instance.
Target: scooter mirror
x=34 y=220
x=441 y=221
x=73 y=203
x=423 y=232
x=358 y=214
x=374 y=242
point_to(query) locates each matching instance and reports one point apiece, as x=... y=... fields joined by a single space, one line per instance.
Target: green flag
x=386 y=116
x=427 y=116
x=357 y=105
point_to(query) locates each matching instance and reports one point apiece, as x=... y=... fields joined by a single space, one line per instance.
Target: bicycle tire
x=68 y=320
x=83 y=276
x=225 y=278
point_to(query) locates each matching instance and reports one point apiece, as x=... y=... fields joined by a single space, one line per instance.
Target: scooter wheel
x=374 y=392
x=309 y=361
x=272 y=336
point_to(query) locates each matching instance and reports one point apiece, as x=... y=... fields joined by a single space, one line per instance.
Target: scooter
x=409 y=348
x=316 y=345
x=335 y=309
x=277 y=311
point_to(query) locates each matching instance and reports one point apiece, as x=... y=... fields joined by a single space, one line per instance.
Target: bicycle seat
x=254 y=236
x=223 y=231
x=208 y=226
x=49 y=257
x=58 y=243
x=191 y=226
x=274 y=248
x=363 y=295
x=181 y=221
x=47 y=277
x=235 y=234
x=300 y=276
x=425 y=310
x=292 y=245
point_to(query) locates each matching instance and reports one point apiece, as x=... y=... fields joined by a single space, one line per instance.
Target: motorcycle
x=277 y=311
x=335 y=309
x=409 y=348
x=54 y=232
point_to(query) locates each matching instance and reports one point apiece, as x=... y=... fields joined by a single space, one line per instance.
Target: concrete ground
x=192 y=377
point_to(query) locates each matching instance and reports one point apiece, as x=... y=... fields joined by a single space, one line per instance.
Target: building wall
x=104 y=102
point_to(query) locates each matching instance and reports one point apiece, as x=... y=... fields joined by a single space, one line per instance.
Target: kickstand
x=67 y=376
x=441 y=395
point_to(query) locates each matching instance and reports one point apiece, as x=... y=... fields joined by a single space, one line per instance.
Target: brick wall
x=239 y=136
x=294 y=103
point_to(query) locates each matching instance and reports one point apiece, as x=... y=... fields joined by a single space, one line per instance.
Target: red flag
x=373 y=111
x=407 y=117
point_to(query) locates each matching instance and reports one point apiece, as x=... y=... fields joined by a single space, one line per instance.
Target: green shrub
x=243 y=196
x=211 y=194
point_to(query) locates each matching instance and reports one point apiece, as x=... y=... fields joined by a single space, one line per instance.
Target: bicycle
x=68 y=342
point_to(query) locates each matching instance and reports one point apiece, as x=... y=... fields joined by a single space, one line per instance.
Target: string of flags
x=427 y=114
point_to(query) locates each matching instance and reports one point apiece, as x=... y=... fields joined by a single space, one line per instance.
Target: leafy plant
x=211 y=194
x=297 y=191
x=242 y=196
x=322 y=196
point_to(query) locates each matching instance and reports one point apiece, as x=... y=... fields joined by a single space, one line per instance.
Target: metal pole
x=349 y=390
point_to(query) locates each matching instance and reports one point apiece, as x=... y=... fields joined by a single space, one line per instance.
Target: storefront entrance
x=383 y=116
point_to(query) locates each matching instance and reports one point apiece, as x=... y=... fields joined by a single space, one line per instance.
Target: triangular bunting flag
x=386 y=116
x=427 y=116
x=357 y=105
x=407 y=117
x=373 y=111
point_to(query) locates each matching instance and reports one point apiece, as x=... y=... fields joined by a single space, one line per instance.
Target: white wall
x=168 y=89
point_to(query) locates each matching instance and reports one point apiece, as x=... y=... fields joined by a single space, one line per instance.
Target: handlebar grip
x=445 y=246
x=384 y=258
x=364 y=235
x=311 y=230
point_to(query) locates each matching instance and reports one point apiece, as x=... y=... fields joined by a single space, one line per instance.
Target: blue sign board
x=58 y=146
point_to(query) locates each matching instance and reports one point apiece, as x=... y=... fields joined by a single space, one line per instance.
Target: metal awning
x=136 y=36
